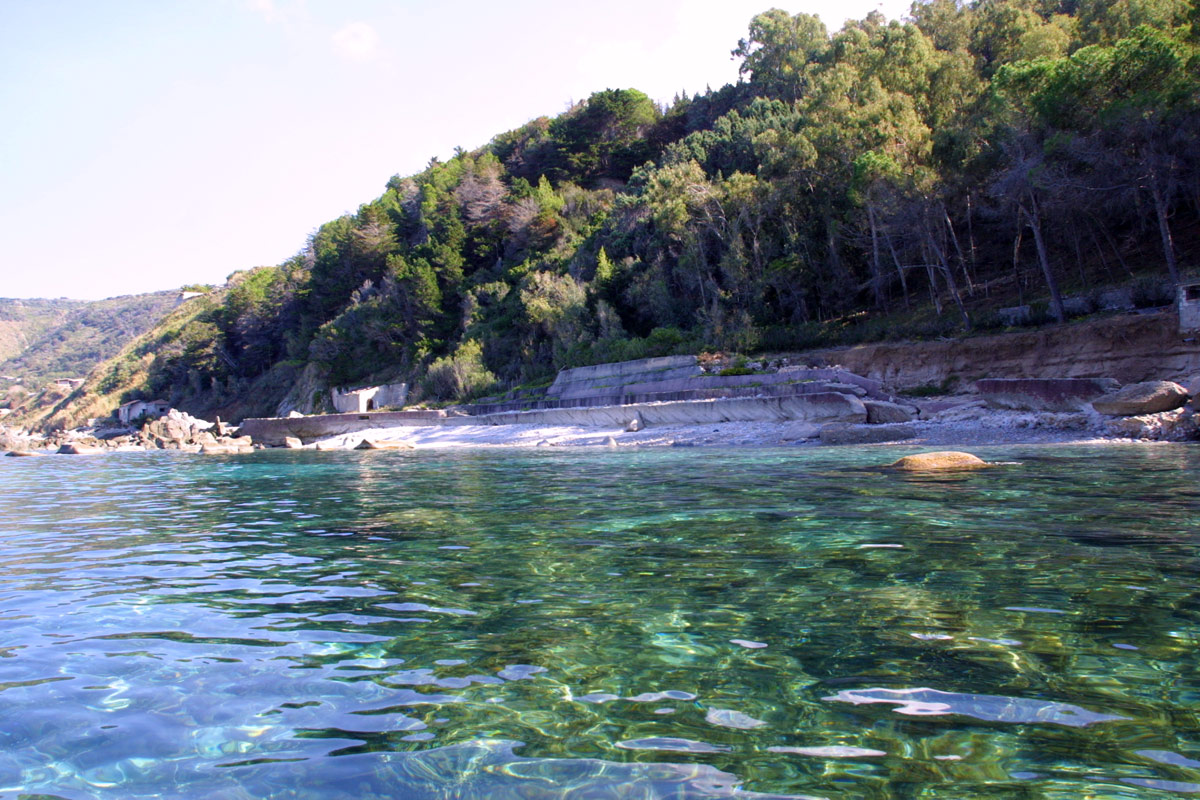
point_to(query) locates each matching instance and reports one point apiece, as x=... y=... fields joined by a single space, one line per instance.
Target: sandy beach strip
x=984 y=427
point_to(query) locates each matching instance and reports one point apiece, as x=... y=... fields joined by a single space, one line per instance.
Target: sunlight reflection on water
x=715 y=623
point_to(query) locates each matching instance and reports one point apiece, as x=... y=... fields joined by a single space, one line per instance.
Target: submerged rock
x=938 y=461
x=1149 y=397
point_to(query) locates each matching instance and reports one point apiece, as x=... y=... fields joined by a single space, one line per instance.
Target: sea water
x=667 y=623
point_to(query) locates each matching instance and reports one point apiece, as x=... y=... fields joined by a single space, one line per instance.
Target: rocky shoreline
x=1017 y=411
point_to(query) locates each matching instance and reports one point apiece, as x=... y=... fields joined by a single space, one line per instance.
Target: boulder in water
x=943 y=460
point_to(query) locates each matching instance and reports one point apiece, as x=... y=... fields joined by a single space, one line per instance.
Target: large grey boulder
x=848 y=433
x=880 y=412
x=1149 y=397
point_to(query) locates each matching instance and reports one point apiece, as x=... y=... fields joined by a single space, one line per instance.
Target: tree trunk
x=962 y=260
x=1164 y=228
x=876 y=272
x=948 y=274
x=1033 y=217
x=899 y=270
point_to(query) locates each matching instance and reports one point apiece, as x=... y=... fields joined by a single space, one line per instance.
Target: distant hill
x=44 y=340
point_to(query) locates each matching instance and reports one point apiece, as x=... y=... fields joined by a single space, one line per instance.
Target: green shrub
x=461 y=376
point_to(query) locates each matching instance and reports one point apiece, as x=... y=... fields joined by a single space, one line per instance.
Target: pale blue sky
x=146 y=144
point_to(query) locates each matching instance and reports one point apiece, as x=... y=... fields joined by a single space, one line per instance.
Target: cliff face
x=1130 y=348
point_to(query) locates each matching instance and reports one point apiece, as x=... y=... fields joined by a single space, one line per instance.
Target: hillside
x=888 y=180
x=43 y=340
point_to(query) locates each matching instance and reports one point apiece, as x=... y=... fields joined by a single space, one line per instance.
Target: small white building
x=369 y=398
x=1189 y=307
x=134 y=409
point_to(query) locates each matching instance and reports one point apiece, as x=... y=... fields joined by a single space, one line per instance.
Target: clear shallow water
x=592 y=624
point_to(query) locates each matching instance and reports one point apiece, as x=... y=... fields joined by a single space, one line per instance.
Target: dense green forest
x=888 y=179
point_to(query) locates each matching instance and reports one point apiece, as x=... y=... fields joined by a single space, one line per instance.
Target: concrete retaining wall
x=611 y=378
x=816 y=407
x=1043 y=394
x=273 y=430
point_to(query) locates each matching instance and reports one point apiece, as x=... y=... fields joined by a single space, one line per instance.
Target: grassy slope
x=108 y=382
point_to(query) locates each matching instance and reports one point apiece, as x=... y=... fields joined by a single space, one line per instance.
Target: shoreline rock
x=939 y=461
x=1148 y=397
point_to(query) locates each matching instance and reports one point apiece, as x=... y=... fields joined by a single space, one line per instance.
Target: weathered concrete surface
x=1129 y=347
x=274 y=430
x=610 y=378
x=1043 y=394
x=818 y=407
x=1149 y=397
x=786 y=382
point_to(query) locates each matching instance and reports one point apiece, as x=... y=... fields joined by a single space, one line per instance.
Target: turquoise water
x=670 y=623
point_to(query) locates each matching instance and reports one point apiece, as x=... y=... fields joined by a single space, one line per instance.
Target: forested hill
x=43 y=340
x=887 y=179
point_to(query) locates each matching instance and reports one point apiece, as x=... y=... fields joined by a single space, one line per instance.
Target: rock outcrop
x=1149 y=397
x=1129 y=348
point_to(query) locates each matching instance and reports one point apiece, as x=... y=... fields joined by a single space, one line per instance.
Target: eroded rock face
x=943 y=460
x=1149 y=397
